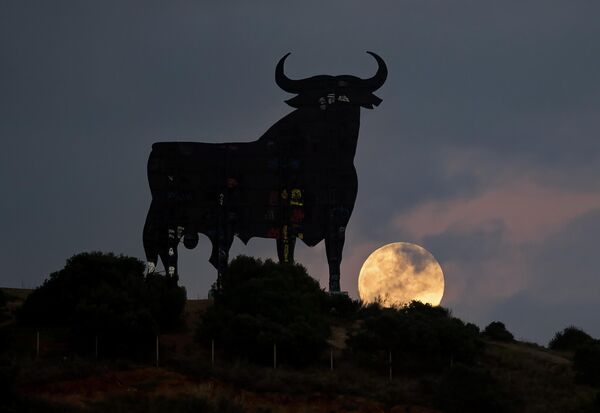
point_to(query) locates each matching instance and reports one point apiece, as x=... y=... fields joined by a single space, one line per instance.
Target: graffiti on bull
x=296 y=181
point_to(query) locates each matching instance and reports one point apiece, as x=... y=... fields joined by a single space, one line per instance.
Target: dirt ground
x=155 y=382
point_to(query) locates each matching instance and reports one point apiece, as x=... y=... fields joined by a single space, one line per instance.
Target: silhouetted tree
x=570 y=339
x=496 y=330
x=262 y=303
x=4 y=313
x=422 y=337
x=586 y=363
x=108 y=296
x=8 y=374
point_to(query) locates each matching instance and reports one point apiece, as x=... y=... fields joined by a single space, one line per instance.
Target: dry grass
x=542 y=380
x=539 y=380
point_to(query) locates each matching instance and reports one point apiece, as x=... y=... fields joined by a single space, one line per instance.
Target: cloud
x=537 y=285
x=532 y=319
x=518 y=238
x=565 y=264
x=527 y=210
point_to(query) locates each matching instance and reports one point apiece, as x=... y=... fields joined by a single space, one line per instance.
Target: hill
x=526 y=378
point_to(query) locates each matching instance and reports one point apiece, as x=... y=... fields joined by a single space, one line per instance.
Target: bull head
x=326 y=90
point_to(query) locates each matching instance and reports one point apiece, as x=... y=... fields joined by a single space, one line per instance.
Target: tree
x=264 y=303
x=570 y=339
x=586 y=363
x=465 y=389
x=496 y=330
x=108 y=296
x=423 y=337
x=4 y=313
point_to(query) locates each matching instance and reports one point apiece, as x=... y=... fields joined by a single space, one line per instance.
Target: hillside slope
x=530 y=378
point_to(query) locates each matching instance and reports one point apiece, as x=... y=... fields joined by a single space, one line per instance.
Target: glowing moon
x=398 y=273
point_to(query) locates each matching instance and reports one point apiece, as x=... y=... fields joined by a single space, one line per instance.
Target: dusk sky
x=485 y=149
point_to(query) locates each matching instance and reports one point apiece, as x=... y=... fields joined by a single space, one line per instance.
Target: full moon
x=399 y=273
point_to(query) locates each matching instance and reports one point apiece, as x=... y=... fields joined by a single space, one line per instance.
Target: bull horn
x=378 y=80
x=284 y=82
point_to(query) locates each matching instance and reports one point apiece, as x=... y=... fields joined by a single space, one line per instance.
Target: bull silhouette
x=296 y=181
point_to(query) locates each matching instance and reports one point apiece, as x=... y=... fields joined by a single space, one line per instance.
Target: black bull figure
x=296 y=181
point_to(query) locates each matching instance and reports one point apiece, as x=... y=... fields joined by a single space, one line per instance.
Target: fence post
x=331 y=358
x=212 y=352
x=96 y=348
x=37 y=343
x=157 y=359
x=274 y=355
x=390 y=366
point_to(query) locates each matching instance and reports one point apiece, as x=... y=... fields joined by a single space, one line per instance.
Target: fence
x=97 y=353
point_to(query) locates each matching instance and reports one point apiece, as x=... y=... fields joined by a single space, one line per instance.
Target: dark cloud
x=558 y=278
x=567 y=262
x=419 y=258
x=468 y=245
x=535 y=320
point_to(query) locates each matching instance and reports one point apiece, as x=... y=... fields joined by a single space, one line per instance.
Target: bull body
x=297 y=180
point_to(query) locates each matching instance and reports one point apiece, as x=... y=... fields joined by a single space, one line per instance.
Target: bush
x=465 y=389
x=497 y=331
x=264 y=303
x=8 y=374
x=586 y=363
x=343 y=307
x=570 y=339
x=422 y=337
x=4 y=313
x=107 y=296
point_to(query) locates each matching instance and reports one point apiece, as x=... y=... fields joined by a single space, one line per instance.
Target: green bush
x=421 y=337
x=496 y=330
x=107 y=296
x=261 y=304
x=570 y=339
x=586 y=363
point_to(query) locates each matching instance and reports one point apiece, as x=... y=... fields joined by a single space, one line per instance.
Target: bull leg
x=334 y=245
x=285 y=250
x=151 y=239
x=219 y=256
x=168 y=254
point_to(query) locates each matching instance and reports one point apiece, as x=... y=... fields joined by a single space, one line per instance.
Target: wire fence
x=43 y=348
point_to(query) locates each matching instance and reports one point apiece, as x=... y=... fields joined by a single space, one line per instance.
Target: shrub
x=8 y=374
x=586 y=363
x=4 y=313
x=465 y=389
x=108 y=296
x=424 y=338
x=570 y=339
x=496 y=330
x=342 y=307
x=264 y=303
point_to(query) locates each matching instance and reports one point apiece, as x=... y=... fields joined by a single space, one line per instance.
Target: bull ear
x=365 y=99
x=305 y=99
